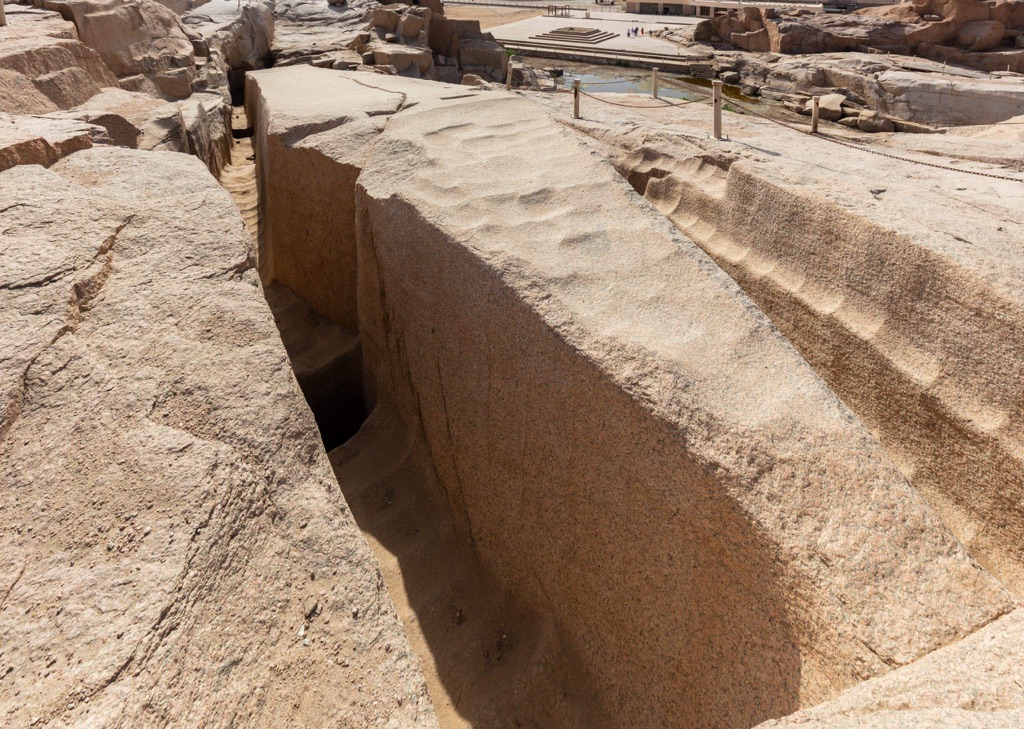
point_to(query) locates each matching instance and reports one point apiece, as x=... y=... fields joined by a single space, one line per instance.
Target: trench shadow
x=667 y=610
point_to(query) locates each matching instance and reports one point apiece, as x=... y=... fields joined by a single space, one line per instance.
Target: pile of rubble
x=985 y=36
x=420 y=42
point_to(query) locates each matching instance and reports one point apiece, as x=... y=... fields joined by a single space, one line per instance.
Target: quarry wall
x=625 y=440
x=911 y=315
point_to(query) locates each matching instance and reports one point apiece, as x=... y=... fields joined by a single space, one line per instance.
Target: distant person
x=641 y=31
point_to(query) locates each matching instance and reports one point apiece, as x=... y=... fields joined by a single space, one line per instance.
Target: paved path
x=617 y=23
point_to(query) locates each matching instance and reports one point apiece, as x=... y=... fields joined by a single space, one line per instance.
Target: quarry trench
x=488 y=659
x=511 y=420
x=492 y=655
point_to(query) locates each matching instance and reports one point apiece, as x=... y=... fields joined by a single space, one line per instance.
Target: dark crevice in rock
x=327 y=361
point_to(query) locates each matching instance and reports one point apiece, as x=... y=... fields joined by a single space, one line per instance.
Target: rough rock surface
x=893 y=87
x=41 y=141
x=241 y=38
x=306 y=30
x=713 y=491
x=973 y=684
x=43 y=67
x=899 y=282
x=198 y=125
x=134 y=38
x=411 y=39
x=929 y=28
x=174 y=549
x=398 y=37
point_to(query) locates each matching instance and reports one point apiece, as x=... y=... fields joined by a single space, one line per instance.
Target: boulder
x=750 y=17
x=728 y=24
x=42 y=69
x=43 y=141
x=830 y=106
x=873 y=122
x=176 y=520
x=757 y=41
x=133 y=37
x=471 y=79
x=481 y=52
x=980 y=35
x=405 y=59
x=703 y=31
x=413 y=23
x=384 y=18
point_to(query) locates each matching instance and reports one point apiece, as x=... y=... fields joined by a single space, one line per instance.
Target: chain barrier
x=879 y=153
x=665 y=102
x=918 y=161
x=825 y=137
x=631 y=79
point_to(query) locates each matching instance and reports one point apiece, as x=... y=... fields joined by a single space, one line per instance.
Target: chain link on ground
x=664 y=102
x=819 y=135
x=852 y=145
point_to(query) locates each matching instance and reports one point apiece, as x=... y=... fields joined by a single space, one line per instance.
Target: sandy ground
x=491 y=17
x=239 y=176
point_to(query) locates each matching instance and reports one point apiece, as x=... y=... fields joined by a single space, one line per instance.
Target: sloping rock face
x=906 y=296
x=134 y=38
x=43 y=67
x=714 y=537
x=880 y=84
x=40 y=141
x=963 y=30
x=173 y=546
x=973 y=684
